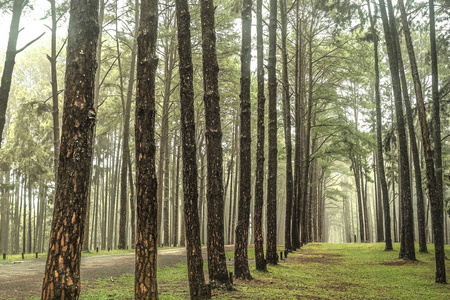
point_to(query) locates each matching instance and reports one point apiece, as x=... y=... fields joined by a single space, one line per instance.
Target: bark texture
x=146 y=185
x=217 y=267
x=259 y=173
x=241 y=269
x=271 y=248
x=62 y=272
x=197 y=287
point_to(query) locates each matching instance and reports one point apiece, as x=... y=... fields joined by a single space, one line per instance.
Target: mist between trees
x=356 y=147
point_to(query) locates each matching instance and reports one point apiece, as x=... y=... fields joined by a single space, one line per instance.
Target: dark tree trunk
x=62 y=273
x=435 y=187
x=417 y=169
x=405 y=182
x=197 y=287
x=390 y=36
x=306 y=149
x=217 y=266
x=271 y=248
x=259 y=173
x=146 y=185
x=241 y=269
x=380 y=159
x=298 y=132
x=357 y=176
x=287 y=129
x=126 y=136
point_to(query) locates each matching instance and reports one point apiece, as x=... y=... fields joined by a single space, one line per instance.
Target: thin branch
x=26 y=46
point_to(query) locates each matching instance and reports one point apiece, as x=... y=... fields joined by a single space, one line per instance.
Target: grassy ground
x=317 y=271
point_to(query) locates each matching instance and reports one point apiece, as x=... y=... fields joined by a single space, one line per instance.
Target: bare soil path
x=24 y=280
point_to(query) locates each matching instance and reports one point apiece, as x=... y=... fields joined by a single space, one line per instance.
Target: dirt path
x=23 y=280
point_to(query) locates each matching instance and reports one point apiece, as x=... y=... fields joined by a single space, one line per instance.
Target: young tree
x=216 y=251
x=146 y=185
x=197 y=287
x=271 y=251
x=241 y=269
x=62 y=273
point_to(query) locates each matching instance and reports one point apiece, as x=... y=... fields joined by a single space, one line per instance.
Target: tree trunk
x=271 y=248
x=146 y=185
x=62 y=274
x=197 y=287
x=55 y=93
x=259 y=173
x=357 y=176
x=4 y=213
x=380 y=159
x=435 y=187
x=287 y=129
x=126 y=135
x=391 y=36
x=216 y=253
x=11 y=53
x=406 y=198
x=176 y=190
x=132 y=206
x=241 y=269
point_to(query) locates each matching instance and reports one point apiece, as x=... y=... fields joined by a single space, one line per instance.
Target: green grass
x=317 y=271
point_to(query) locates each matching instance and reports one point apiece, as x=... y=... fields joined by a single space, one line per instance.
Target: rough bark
x=197 y=287
x=62 y=273
x=241 y=269
x=271 y=247
x=259 y=173
x=217 y=267
x=146 y=185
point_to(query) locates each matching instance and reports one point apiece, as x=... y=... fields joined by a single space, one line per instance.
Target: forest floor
x=317 y=271
x=22 y=279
